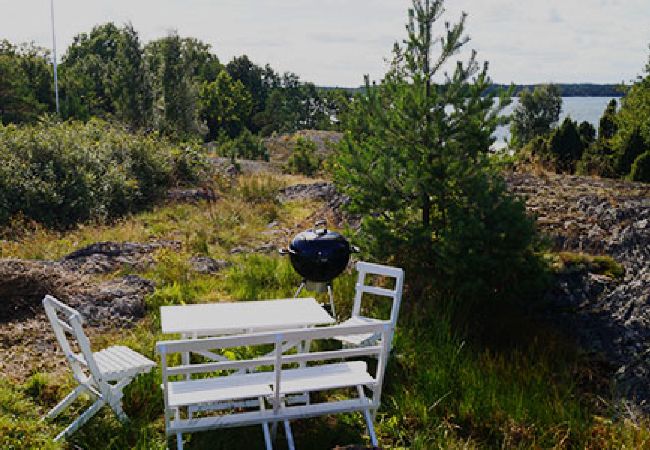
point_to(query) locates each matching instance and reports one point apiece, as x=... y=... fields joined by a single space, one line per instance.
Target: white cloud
x=337 y=41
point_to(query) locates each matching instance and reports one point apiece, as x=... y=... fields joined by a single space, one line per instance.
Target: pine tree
x=631 y=147
x=413 y=161
x=607 y=124
x=587 y=133
x=566 y=146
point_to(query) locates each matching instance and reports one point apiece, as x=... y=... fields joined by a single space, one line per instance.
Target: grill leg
x=330 y=293
x=300 y=288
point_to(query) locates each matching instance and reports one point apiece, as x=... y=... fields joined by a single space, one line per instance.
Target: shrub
x=598 y=159
x=303 y=159
x=259 y=188
x=245 y=146
x=63 y=173
x=565 y=146
x=641 y=168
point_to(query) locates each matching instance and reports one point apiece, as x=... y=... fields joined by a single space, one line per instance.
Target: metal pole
x=56 y=75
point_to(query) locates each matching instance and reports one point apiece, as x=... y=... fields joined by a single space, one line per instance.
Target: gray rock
x=107 y=257
x=207 y=265
x=191 y=195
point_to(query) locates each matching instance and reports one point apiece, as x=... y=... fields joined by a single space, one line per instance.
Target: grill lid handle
x=286 y=251
x=320 y=227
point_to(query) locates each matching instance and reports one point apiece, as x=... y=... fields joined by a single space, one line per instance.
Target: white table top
x=214 y=319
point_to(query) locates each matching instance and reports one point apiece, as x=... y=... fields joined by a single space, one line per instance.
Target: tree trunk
x=426 y=210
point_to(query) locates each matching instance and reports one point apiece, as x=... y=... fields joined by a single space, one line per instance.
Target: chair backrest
x=364 y=269
x=67 y=324
x=275 y=360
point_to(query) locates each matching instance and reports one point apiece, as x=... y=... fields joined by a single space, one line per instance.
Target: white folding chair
x=102 y=374
x=364 y=270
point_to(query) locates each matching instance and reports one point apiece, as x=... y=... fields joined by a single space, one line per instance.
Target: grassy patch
x=582 y=262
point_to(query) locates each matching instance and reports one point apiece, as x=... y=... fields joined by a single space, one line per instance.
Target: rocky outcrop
x=335 y=202
x=611 y=317
x=280 y=147
x=107 y=257
x=23 y=284
x=244 y=166
x=191 y=195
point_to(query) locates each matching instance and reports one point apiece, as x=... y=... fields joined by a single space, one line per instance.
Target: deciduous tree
x=535 y=114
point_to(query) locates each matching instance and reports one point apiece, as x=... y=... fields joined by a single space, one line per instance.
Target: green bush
x=59 y=174
x=245 y=146
x=303 y=159
x=562 y=149
x=628 y=149
x=641 y=168
x=598 y=159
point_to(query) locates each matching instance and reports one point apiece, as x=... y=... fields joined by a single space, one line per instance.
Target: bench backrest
x=67 y=324
x=277 y=359
x=365 y=269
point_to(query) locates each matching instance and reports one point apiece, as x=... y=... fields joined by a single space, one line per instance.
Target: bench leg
x=369 y=418
x=289 y=434
x=265 y=428
x=371 y=427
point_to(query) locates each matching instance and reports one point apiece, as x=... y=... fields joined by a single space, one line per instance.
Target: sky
x=336 y=42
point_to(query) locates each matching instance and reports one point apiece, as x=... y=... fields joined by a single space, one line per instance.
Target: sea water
x=578 y=108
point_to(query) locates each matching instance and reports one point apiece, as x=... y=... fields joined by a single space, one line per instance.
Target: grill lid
x=318 y=254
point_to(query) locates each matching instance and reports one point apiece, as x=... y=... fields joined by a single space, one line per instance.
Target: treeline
x=571 y=90
x=566 y=90
x=619 y=148
x=175 y=85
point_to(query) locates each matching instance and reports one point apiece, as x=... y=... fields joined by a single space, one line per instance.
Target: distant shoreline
x=566 y=89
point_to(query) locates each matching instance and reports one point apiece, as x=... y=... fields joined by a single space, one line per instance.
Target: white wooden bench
x=264 y=383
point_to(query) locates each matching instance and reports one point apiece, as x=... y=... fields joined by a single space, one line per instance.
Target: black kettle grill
x=319 y=255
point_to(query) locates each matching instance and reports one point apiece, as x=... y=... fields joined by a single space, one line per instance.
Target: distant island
x=567 y=89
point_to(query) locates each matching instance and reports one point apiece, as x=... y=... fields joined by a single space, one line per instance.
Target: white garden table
x=218 y=319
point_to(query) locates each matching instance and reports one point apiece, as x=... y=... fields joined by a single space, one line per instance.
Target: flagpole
x=56 y=75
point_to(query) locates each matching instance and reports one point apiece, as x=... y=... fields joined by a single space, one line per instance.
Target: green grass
x=489 y=376
x=580 y=262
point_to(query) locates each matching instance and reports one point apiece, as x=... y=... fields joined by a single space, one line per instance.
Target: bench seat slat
x=322 y=378
x=217 y=389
